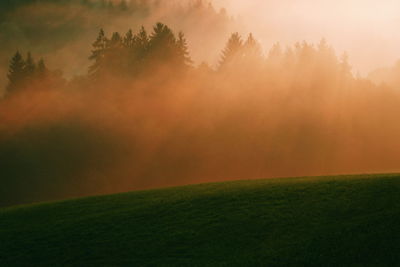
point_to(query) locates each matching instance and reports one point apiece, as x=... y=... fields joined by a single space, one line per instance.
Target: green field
x=325 y=221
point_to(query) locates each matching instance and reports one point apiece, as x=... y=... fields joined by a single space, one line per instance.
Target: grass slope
x=326 y=221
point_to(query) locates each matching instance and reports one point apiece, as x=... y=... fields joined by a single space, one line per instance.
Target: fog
x=60 y=32
x=136 y=110
x=366 y=29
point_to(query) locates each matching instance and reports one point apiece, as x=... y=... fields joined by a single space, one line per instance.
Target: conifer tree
x=41 y=69
x=30 y=66
x=233 y=51
x=162 y=44
x=184 y=56
x=115 y=59
x=252 y=52
x=162 y=35
x=16 y=73
x=129 y=39
x=98 y=52
x=116 y=41
x=142 y=42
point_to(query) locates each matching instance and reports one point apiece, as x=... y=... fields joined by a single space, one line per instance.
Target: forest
x=147 y=114
x=60 y=31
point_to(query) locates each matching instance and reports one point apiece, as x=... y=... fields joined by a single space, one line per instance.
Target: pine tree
x=142 y=41
x=129 y=39
x=30 y=66
x=184 y=56
x=98 y=52
x=16 y=73
x=115 y=58
x=41 y=69
x=139 y=51
x=116 y=40
x=252 y=50
x=162 y=35
x=233 y=51
x=162 y=44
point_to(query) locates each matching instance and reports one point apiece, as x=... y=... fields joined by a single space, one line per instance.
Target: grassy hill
x=325 y=221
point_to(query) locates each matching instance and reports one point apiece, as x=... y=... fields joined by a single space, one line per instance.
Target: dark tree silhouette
x=16 y=73
x=142 y=43
x=162 y=43
x=184 y=55
x=98 y=53
x=135 y=53
x=30 y=66
x=166 y=49
x=24 y=73
x=41 y=70
x=129 y=39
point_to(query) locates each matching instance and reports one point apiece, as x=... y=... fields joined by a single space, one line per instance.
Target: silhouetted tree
x=16 y=73
x=115 y=55
x=133 y=54
x=184 y=55
x=233 y=51
x=252 y=48
x=165 y=48
x=129 y=39
x=162 y=41
x=30 y=66
x=98 y=53
x=142 y=42
x=41 y=70
x=116 y=41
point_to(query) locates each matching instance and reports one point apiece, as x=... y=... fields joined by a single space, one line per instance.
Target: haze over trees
x=25 y=73
x=132 y=54
x=59 y=31
x=145 y=115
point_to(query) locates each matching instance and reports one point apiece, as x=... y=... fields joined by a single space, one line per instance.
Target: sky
x=366 y=29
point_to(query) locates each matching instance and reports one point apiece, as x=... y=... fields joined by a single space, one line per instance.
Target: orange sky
x=366 y=29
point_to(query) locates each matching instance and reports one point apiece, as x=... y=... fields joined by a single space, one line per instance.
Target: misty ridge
x=60 y=31
x=147 y=115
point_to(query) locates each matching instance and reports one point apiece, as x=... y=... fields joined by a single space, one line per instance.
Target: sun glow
x=366 y=29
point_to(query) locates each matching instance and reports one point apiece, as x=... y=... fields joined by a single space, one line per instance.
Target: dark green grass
x=326 y=221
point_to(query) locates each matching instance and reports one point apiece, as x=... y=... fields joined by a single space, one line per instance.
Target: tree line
x=131 y=54
x=25 y=72
x=136 y=54
x=144 y=115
